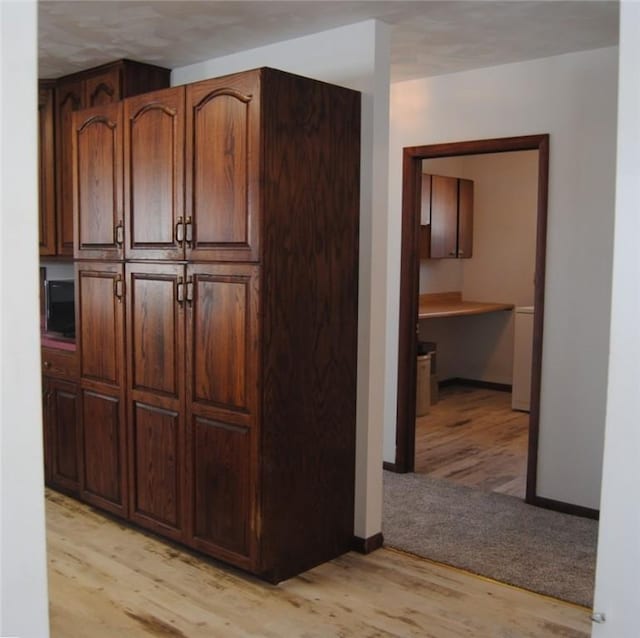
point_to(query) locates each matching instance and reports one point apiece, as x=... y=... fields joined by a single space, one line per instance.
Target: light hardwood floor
x=107 y=580
x=472 y=437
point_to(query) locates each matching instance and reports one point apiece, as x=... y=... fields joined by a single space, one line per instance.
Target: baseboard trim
x=565 y=508
x=367 y=545
x=475 y=383
x=387 y=465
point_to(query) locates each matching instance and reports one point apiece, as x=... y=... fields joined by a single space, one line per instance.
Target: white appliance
x=522 y=349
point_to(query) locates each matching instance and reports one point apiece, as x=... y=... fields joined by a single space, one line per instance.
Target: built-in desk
x=450 y=304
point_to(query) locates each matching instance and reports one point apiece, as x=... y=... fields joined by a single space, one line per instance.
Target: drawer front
x=60 y=363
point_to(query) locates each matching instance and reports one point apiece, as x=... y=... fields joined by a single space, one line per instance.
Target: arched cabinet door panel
x=223 y=168
x=97 y=183
x=154 y=175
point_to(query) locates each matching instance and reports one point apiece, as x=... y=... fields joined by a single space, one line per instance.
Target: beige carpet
x=492 y=535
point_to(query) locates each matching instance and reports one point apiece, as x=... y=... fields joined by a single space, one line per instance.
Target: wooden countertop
x=450 y=304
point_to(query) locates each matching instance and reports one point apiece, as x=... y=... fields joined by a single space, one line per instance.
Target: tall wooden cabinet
x=58 y=100
x=235 y=270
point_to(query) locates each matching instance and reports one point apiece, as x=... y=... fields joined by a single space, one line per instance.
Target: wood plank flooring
x=108 y=580
x=472 y=437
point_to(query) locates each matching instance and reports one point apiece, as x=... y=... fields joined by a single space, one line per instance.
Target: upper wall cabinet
x=96 y=157
x=47 y=192
x=94 y=87
x=191 y=174
x=446 y=217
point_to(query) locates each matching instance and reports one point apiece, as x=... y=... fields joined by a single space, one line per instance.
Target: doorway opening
x=409 y=289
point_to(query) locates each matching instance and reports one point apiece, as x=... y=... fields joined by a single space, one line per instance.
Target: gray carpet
x=492 y=535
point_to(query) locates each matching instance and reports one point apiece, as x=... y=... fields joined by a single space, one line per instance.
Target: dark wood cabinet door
x=465 y=218
x=221 y=488
x=46 y=173
x=154 y=175
x=64 y=435
x=46 y=430
x=444 y=216
x=103 y=88
x=156 y=354
x=69 y=98
x=223 y=168
x=222 y=390
x=424 y=234
x=103 y=480
x=97 y=182
x=99 y=322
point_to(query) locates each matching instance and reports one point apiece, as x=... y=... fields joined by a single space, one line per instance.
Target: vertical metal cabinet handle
x=189 y=289
x=119 y=233
x=189 y=230
x=118 y=287
x=180 y=291
x=180 y=230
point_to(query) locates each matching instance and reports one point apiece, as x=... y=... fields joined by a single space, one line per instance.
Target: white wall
x=356 y=56
x=501 y=268
x=618 y=568
x=573 y=98
x=23 y=579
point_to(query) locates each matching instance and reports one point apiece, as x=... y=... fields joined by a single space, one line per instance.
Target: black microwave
x=60 y=307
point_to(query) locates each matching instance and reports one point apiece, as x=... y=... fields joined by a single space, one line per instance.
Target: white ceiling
x=428 y=37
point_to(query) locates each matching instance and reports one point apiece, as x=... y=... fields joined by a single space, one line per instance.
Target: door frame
x=410 y=280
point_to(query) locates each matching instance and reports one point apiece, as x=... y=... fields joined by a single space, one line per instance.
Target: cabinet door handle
x=452 y=253
x=180 y=291
x=180 y=231
x=118 y=287
x=46 y=365
x=189 y=290
x=460 y=253
x=189 y=230
x=119 y=233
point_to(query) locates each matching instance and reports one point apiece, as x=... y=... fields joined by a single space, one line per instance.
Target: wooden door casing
x=222 y=410
x=156 y=355
x=69 y=98
x=222 y=169
x=97 y=183
x=154 y=175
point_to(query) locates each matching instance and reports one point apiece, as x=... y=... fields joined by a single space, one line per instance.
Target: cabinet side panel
x=465 y=218
x=310 y=293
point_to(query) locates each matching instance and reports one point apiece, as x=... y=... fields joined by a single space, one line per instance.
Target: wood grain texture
x=107 y=580
x=69 y=98
x=444 y=217
x=97 y=182
x=222 y=411
x=309 y=339
x=450 y=304
x=64 y=434
x=223 y=167
x=465 y=218
x=156 y=395
x=46 y=168
x=154 y=175
x=473 y=438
